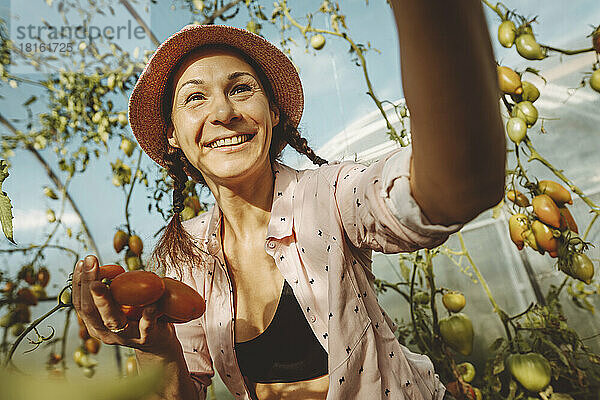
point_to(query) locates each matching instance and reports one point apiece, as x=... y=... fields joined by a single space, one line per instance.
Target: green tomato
x=528 y=48
x=127 y=146
x=516 y=128
x=530 y=91
x=595 y=80
x=421 y=297
x=467 y=371
x=507 y=32
x=17 y=329
x=454 y=301
x=457 y=332
x=317 y=41
x=531 y=370
x=527 y=112
x=580 y=267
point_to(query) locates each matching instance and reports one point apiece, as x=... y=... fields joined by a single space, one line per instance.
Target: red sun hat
x=146 y=116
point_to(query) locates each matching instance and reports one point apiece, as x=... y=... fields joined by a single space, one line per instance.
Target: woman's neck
x=246 y=205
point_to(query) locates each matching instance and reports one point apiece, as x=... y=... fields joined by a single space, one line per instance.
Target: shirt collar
x=281 y=220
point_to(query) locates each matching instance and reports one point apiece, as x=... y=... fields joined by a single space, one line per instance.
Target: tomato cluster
x=22 y=293
x=133 y=290
x=546 y=225
x=134 y=245
x=523 y=39
x=83 y=355
x=192 y=207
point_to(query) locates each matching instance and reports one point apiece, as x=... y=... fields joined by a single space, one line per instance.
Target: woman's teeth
x=230 y=141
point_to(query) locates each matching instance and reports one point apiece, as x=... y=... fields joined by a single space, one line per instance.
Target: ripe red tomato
x=92 y=345
x=136 y=245
x=26 y=296
x=120 y=240
x=518 y=198
x=567 y=220
x=546 y=210
x=180 y=303
x=556 y=191
x=137 y=288
x=544 y=236
x=43 y=277
x=517 y=226
x=110 y=271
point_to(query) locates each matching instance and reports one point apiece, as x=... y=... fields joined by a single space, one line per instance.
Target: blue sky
x=334 y=97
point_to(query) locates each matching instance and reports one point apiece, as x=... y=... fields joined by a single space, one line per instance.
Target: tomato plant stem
x=494 y=8
x=57 y=223
x=568 y=52
x=63 y=341
x=137 y=168
x=27 y=330
x=501 y=314
x=362 y=61
x=425 y=348
x=587 y=230
x=536 y=156
x=55 y=180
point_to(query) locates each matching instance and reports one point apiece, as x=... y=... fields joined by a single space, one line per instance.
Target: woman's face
x=220 y=116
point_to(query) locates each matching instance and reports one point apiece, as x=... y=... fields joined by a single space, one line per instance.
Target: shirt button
x=271 y=245
x=313 y=318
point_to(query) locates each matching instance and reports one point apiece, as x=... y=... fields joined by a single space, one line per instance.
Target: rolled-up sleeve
x=377 y=208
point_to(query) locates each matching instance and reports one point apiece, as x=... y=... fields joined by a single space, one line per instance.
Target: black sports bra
x=287 y=351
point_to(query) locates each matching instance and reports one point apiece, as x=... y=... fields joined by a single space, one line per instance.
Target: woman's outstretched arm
x=450 y=85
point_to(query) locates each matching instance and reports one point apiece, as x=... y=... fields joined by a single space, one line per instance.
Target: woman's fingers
x=147 y=323
x=76 y=285
x=110 y=312
x=87 y=309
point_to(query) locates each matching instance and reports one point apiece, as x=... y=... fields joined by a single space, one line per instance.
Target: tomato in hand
x=110 y=271
x=133 y=313
x=180 y=303
x=137 y=288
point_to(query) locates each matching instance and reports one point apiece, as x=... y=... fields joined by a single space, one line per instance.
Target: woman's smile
x=231 y=143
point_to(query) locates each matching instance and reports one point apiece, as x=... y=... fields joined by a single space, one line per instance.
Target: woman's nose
x=223 y=111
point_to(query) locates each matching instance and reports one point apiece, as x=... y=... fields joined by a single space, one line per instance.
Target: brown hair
x=176 y=246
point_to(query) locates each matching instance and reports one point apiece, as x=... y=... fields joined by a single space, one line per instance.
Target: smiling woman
x=283 y=259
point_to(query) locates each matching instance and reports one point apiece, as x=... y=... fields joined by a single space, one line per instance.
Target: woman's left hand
x=105 y=321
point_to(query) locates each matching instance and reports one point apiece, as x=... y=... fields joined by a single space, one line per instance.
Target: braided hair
x=176 y=246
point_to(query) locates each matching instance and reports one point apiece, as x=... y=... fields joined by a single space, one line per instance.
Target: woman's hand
x=105 y=320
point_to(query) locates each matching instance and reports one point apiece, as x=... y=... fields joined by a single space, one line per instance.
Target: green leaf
x=5 y=206
x=557 y=350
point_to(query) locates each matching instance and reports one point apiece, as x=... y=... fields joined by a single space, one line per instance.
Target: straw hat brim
x=145 y=103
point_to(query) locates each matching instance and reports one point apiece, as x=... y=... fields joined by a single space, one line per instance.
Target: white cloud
x=25 y=220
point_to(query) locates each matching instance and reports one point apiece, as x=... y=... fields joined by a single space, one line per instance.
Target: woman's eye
x=195 y=96
x=241 y=88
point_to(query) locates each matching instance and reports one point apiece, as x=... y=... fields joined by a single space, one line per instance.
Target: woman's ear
x=274 y=115
x=171 y=137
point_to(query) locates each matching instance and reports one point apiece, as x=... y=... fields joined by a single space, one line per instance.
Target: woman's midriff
x=312 y=389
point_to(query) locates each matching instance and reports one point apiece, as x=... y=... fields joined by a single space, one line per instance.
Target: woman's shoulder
x=329 y=171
